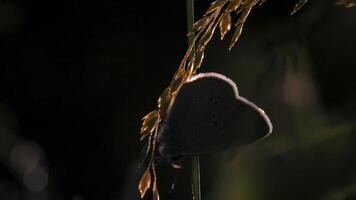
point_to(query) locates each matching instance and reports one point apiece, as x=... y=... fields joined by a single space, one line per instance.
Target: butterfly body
x=208 y=115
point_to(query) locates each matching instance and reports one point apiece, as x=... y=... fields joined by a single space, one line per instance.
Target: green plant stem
x=196 y=178
x=195 y=159
x=190 y=24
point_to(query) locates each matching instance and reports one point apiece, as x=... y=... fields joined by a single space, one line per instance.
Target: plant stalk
x=195 y=159
x=196 y=178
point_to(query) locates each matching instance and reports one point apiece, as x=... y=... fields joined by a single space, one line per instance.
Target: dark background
x=76 y=77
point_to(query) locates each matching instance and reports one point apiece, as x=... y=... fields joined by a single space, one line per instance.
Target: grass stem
x=195 y=159
x=196 y=178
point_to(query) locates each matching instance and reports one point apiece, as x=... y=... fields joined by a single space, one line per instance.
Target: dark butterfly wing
x=208 y=115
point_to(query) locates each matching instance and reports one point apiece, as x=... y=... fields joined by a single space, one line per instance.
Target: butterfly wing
x=208 y=115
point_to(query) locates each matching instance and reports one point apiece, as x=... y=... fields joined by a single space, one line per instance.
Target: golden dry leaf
x=236 y=35
x=164 y=101
x=190 y=68
x=155 y=191
x=199 y=56
x=239 y=26
x=246 y=4
x=205 y=38
x=215 y=5
x=201 y=23
x=298 y=6
x=177 y=80
x=234 y=5
x=145 y=183
x=225 y=24
x=148 y=123
x=346 y=3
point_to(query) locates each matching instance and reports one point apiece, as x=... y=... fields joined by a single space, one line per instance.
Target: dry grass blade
x=234 y=5
x=246 y=4
x=145 y=182
x=144 y=152
x=190 y=68
x=239 y=26
x=199 y=56
x=346 y=3
x=225 y=24
x=164 y=101
x=205 y=38
x=149 y=122
x=298 y=6
x=249 y=2
x=236 y=36
x=218 y=4
x=177 y=80
x=152 y=162
x=155 y=191
x=202 y=23
x=143 y=136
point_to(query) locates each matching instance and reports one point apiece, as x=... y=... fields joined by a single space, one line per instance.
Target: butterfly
x=208 y=115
